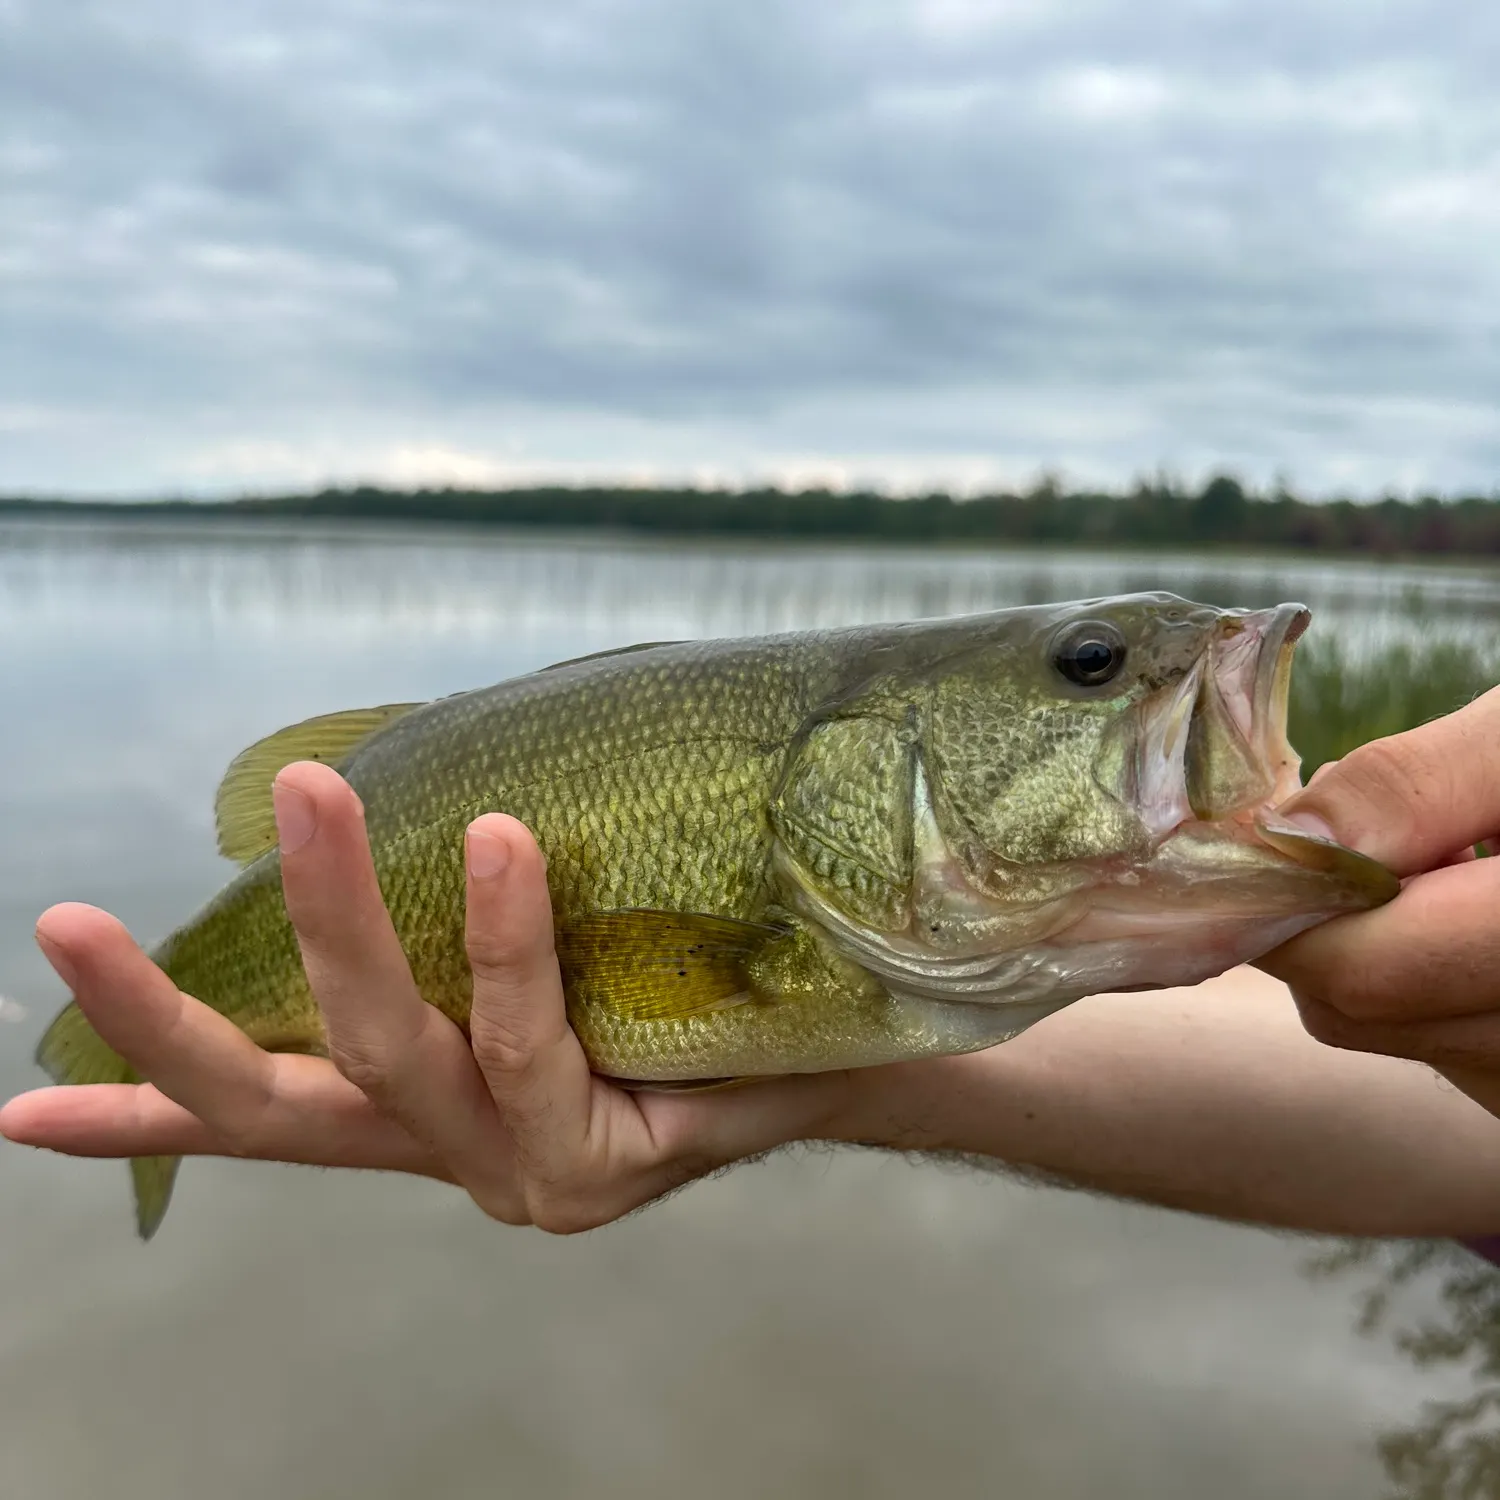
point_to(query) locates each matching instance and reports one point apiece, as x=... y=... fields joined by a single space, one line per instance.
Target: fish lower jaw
x=1033 y=982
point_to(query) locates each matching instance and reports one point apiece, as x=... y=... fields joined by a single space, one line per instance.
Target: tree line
x=1222 y=512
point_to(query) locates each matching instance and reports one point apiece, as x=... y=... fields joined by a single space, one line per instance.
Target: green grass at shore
x=1339 y=702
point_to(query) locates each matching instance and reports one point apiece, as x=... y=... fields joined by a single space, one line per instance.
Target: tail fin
x=73 y=1052
x=153 y=1178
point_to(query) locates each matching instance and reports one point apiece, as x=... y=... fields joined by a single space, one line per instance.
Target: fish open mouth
x=1216 y=749
x=1237 y=756
x=1221 y=760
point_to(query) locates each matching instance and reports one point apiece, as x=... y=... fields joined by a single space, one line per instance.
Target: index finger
x=383 y=1036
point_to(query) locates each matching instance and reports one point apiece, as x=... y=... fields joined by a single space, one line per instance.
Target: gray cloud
x=936 y=239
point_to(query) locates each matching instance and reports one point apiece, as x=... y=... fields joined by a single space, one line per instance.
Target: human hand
x=512 y=1113
x=1420 y=977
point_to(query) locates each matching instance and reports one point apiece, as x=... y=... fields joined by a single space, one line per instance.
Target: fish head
x=1091 y=794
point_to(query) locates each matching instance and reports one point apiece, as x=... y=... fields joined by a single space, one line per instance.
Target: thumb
x=1412 y=800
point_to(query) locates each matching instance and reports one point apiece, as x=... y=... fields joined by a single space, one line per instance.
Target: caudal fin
x=153 y=1177
x=73 y=1052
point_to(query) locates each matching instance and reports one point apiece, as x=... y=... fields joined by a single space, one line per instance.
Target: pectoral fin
x=661 y=965
x=242 y=807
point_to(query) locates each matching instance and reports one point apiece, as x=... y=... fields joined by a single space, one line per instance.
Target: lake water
x=841 y=1324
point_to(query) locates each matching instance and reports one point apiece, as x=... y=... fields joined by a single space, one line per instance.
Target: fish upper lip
x=1269 y=699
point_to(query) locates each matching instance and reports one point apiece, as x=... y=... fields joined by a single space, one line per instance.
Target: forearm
x=1214 y=1100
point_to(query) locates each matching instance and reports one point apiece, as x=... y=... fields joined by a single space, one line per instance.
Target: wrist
x=910 y=1106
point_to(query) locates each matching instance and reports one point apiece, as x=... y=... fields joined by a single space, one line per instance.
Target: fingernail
x=1309 y=823
x=488 y=855
x=296 y=816
x=58 y=959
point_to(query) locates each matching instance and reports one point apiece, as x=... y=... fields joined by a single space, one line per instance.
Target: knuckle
x=500 y=1204
x=242 y=1124
x=1342 y=992
x=245 y=1135
x=502 y=957
x=1359 y=993
x=564 y=1212
x=1339 y=981
x=366 y=1071
x=1385 y=760
x=240 y=1137
x=499 y=1046
x=1386 y=776
x=1324 y=1024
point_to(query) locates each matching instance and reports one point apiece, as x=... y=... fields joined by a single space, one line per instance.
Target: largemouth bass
x=822 y=850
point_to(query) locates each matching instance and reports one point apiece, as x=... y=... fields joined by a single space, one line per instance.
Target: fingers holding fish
x=404 y=1055
x=518 y=1021
x=315 y=1118
x=192 y=1054
x=518 y=1018
x=586 y=1151
x=1420 y=977
x=1455 y=1042
x=109 y=1120
x=1433 y=953
x=214 y=1092
x=349 y=948
x=1465 y=1050
x=571 y=1135
x=1415 y=800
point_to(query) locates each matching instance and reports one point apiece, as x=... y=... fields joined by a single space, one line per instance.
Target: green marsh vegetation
x=1340 y=700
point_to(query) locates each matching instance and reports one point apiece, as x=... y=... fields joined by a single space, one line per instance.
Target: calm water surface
x=811 y=1327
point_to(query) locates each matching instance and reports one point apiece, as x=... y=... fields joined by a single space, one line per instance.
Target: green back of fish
x=647 y=780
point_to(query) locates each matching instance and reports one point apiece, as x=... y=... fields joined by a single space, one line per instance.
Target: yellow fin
x=72 y=1052
x=660 y=965
x=153 y=1178
x=242 y=807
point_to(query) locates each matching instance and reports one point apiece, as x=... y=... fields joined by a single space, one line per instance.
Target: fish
x=809 y=851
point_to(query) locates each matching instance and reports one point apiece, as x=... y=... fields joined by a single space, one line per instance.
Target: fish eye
x=1090 y=654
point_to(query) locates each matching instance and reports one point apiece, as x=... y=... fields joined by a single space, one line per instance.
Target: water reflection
x=369 y=581
x=1452 y=1450
x=808 y=1328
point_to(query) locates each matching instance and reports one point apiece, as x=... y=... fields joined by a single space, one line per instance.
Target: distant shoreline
x=1220 y=517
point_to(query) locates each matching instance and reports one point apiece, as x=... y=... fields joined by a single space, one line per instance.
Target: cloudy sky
x=279 y=242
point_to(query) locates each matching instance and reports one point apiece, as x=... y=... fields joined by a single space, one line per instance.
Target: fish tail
x=152 y=1177
x=72 y=1052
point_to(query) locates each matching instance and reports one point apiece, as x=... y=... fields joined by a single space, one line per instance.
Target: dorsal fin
x=573 y=661
x=242 y=806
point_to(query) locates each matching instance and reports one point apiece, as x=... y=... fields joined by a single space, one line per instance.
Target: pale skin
x=1325 y=1115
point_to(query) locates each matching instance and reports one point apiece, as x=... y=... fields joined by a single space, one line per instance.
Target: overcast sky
x=262 y=245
